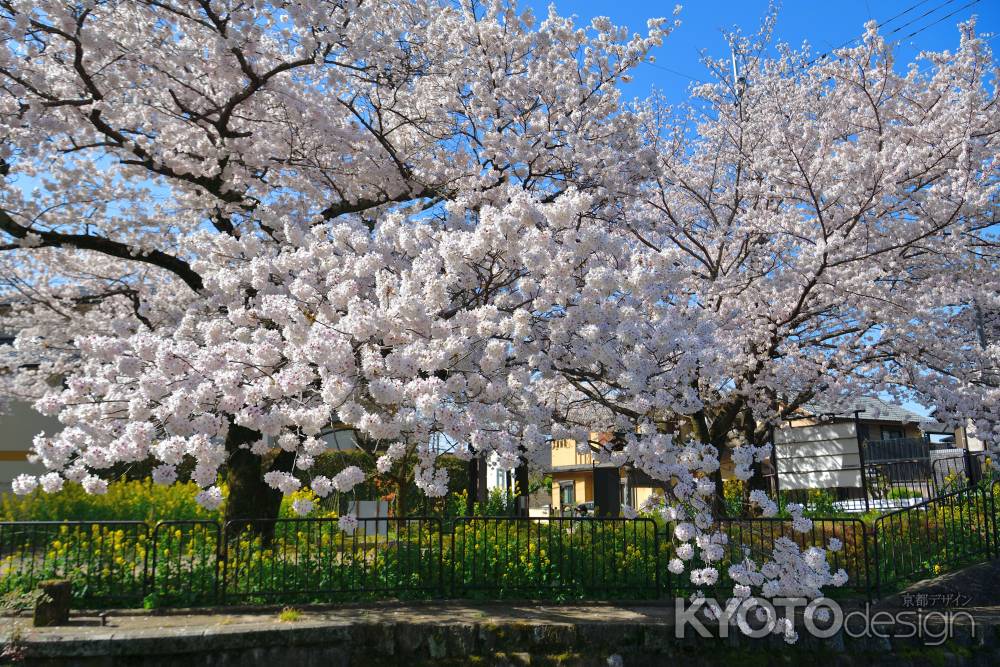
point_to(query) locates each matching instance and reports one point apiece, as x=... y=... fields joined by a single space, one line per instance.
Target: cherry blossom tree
x=228 y=227
x=816 y=230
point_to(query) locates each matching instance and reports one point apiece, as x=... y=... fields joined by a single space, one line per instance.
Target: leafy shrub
x=820 y=503
x=130 y=500
x=733 y=493
x=125 y=500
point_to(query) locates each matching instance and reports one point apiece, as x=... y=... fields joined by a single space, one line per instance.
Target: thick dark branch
x=106 y=246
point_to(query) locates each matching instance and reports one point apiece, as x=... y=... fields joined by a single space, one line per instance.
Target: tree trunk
x=755 y=436
x=251 y=504
x=521 y=486
x=482 y=487
x=473 y=490
x=719 y=501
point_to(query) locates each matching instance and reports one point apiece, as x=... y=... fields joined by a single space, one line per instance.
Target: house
x=959 y=438
x=574 y=475
x=820 y=447
x=828 y=447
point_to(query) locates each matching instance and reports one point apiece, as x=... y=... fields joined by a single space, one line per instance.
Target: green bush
x=125 y=501
x=820 y=503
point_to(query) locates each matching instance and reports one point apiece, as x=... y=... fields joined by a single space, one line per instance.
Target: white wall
x=371 y=509
x=341 y=440
x=815 y=457
x=495 y=477
x=19 y=424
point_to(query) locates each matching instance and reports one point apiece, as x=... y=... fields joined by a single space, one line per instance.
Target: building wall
x=817 y=457
x=583 y=487
x=564 y=454
x=874 y=426
x=877 y=430
x=19 y=424
x=644 y=493
x=965 y=441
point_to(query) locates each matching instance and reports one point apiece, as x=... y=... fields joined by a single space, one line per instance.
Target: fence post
x=876 y=562
x=148 y=577
x=220 y=563
x=861 y=458
x=454 y=538
x=440 y=527
x=656 y=560
x=223 y=554
x=989 y=510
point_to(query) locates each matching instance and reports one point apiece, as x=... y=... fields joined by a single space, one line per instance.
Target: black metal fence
x=107 y=560
x=888 y=475
x=896 y=449
x=314 y=558
x=754 y=537
x=190 y=563
x=555 y=557
x=939 y=535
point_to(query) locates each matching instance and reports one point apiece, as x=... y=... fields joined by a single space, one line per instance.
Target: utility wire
x=904 y=25
x=927 y=13
x=672 y=71
x=887 y=22
x=882 y=24
x=943 y=18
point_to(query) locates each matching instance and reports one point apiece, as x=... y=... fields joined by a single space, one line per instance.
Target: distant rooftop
x=870 y=407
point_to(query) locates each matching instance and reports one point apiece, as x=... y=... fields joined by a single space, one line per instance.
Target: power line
x=903 y=13
x=900 y=27
x=943 y=18
x=672 y=71
x=890 y=20
x=927 y=13
x=882 y=24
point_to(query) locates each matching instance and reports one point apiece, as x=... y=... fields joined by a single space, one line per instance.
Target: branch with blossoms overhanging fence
x=190 y=563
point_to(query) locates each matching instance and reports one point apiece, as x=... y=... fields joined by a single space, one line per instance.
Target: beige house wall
x=583 y=487
x=564 y=454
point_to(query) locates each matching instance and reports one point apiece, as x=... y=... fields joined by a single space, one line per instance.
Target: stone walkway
x=441 y=633
x=502 y=634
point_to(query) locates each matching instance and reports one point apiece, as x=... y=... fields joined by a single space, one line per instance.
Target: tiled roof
x=870 y=407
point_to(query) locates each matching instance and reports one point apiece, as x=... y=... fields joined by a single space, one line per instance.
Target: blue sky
x=823 y=25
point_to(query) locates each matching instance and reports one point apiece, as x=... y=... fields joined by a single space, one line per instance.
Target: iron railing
x=313 y=559
x=952 y=530
x=105 y=560
x=754 y=537
x=555 y=557
x=896 y=449
x=190 y=563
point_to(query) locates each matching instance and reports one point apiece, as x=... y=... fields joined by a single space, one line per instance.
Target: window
x=889 y=433
x=567 y=495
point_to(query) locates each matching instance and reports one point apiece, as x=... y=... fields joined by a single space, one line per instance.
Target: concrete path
x=456 y=633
